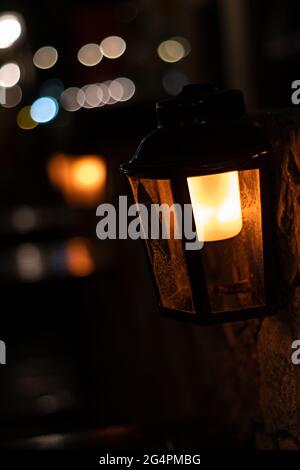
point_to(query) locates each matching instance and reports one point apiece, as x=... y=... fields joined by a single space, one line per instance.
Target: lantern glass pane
x=234 y=267
x=166 y=253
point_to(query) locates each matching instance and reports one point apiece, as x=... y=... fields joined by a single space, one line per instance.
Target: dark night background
x=87 y=351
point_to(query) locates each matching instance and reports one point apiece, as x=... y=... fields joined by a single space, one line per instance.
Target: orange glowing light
x=79 y=259
x=81 y=179
x=88 y=173
x=58 y=169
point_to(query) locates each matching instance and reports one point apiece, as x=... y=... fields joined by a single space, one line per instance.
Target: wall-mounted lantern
x=208 y=153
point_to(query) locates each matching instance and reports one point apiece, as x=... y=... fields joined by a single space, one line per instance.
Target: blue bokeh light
x=44 y=109
x=52 y=87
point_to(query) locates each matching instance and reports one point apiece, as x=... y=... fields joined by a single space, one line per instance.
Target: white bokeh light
x=45 y=57
x=90 y=55
x=128 y=88
x=10 y=30
x=103 y=94
x=9 y=75
x=113 y=47
x=85 y=103
x=96 y=95
x=29 y=260
x=13 y=97
x=115 y=90
x=171 y=50
x=93 y=95
x=110 y=99
x=72 y=99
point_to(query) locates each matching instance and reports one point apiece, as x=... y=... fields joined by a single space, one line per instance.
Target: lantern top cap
x=200 y=103
x=201 y=131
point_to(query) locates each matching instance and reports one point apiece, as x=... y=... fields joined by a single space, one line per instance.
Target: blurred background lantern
x=209 y=153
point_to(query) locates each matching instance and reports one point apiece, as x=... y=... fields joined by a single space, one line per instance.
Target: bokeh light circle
x=44 y=109
x=10 y=30
x=9 y=75
x=72 y=99
x=90 y=55
x=174 y=80
x=45 y=57
x=113 y=47
x=93 y=95
x=24 y=119
x=171 y=50
x=116 y=90
x=128 y=88
x=104 y=94
x=13 y=96
x=52 y=87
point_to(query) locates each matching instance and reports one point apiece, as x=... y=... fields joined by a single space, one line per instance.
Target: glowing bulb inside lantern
x=216 y=205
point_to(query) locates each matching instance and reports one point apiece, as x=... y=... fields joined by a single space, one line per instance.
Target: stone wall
x=261 y=349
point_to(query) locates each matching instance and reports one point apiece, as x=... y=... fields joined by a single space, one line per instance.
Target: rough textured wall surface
x=261 y=349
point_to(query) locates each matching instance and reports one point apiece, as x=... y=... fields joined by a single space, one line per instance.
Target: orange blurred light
x=88 y=173
x=58 y=169
x=79 y=259
x=81 y=179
